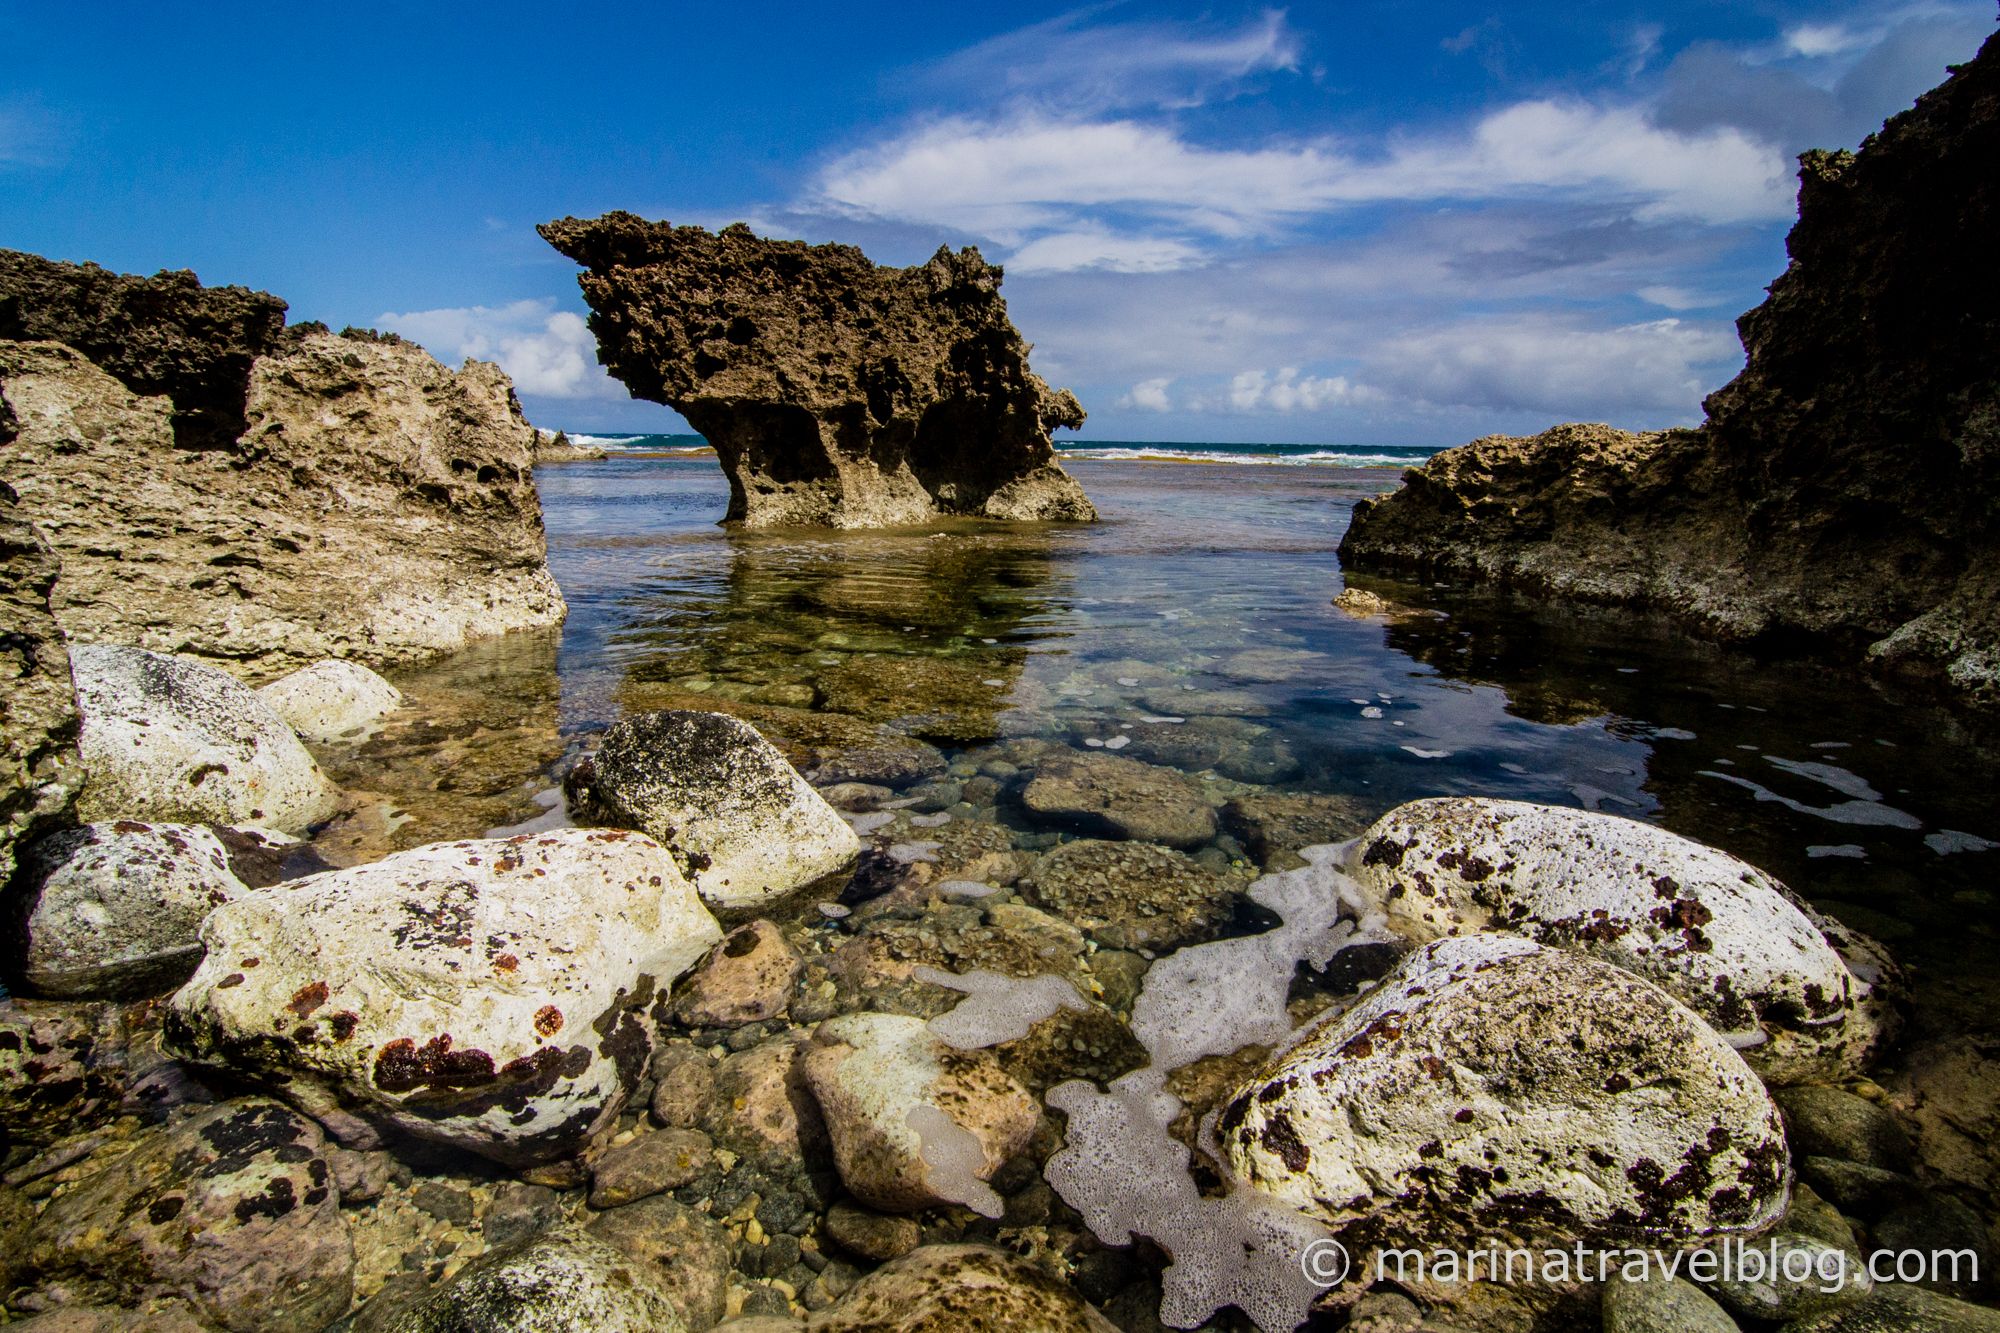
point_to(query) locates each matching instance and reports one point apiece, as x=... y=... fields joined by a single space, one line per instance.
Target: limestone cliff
x=836 y=392
x=39 y=772
x=1846 y=487
x=372 y=505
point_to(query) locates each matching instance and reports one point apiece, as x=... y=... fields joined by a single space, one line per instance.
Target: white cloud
x=1288 y=391
x=1542 y=364
x=546 y=351
x=1018 y=179
x=1068 y=62
x=1150 y=395
x=1097 y=247
x=1816 y=40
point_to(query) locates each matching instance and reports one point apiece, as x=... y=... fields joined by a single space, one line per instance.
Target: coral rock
x=835 y=392
x=489 y=994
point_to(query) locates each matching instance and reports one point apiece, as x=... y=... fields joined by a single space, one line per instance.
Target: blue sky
x=1361 y=222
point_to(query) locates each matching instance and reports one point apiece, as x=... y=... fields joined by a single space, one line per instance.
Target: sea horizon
x=1265 y=453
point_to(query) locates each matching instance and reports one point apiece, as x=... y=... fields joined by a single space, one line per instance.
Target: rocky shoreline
x=1842 y=492
x=828 y=1000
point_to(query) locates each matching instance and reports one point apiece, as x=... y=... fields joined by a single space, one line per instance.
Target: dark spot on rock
x=1617 y=1083
x=343 y=1024
x=403 y=1066
x=1279 y=1137
x=307 y=998
x=166 y=1209
x=548 y=1020
x=233 y=979
x=277 y=1199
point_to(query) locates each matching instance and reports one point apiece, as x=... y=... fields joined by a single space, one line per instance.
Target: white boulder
x=1715 y=932
x=331 y=699
x=172 y=739
x=115 y=909
x=1492 y=1089
x=746 y=828
x=490 y=994
x=914 y=1122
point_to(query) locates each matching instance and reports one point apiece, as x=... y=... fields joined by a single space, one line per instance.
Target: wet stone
x=1133 y=895
x=683 y=1253
x=1125 y=798
x=649 y=1164
x=747 y=978
x=1662 y=1306
x=1831 y=1122
x=871 y=1235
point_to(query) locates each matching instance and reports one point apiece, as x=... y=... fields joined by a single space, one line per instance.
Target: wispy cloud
x=546 y=351
x=1080 y=65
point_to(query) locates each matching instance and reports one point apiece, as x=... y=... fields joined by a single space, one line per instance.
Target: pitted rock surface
x=748 y=831
x=1844 y=486
x=564 y=1281
x=115 y=909
x=370 y=504
x=1492 y=1088
x=173 y=739
x=489 y=994
x=1134 y=895
x=836 y=392
x=234 y=1210
x=39 y=768
x=1718 y=934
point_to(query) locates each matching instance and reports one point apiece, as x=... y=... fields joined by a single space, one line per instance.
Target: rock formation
x=39 y=771
x=488 y=994
x=1846 y=487
x=219 y=485
x=836 y=392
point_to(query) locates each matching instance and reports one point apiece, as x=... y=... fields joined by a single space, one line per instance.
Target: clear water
x=1206 y=594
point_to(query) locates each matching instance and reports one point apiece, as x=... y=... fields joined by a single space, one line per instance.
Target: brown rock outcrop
x=39 y=772
x=374 y=504
x=836 y=392
x=166 y=334
x=1846 y=487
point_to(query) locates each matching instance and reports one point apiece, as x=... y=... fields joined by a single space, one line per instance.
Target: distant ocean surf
x=1110 y=451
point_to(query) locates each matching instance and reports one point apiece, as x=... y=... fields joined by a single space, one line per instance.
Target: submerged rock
x=1718 y=934
x=1134 y=895
x=914 y=1122
x=952 y=1288
x=39 y=769
x=746 y=979
x=748 y=831
x=299 y=496
x=1844 y=486
x=486 y=994
x=835 y=392
x=683 y=1252
x=1493 y=1089
x=564 y=1281
x=331 y=699
x=1109 y=794
x=233 y=1210
x=115 y=909
x=172 y=739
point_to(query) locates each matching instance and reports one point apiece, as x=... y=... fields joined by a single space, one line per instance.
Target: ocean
x=1110 y=451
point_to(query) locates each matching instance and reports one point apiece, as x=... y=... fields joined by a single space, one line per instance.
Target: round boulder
x=748 y=831
x=1718 y=934
x=1492 y=1088
x=168 y=738
x=331 y=699
x=115 y=909
x=489 y=994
